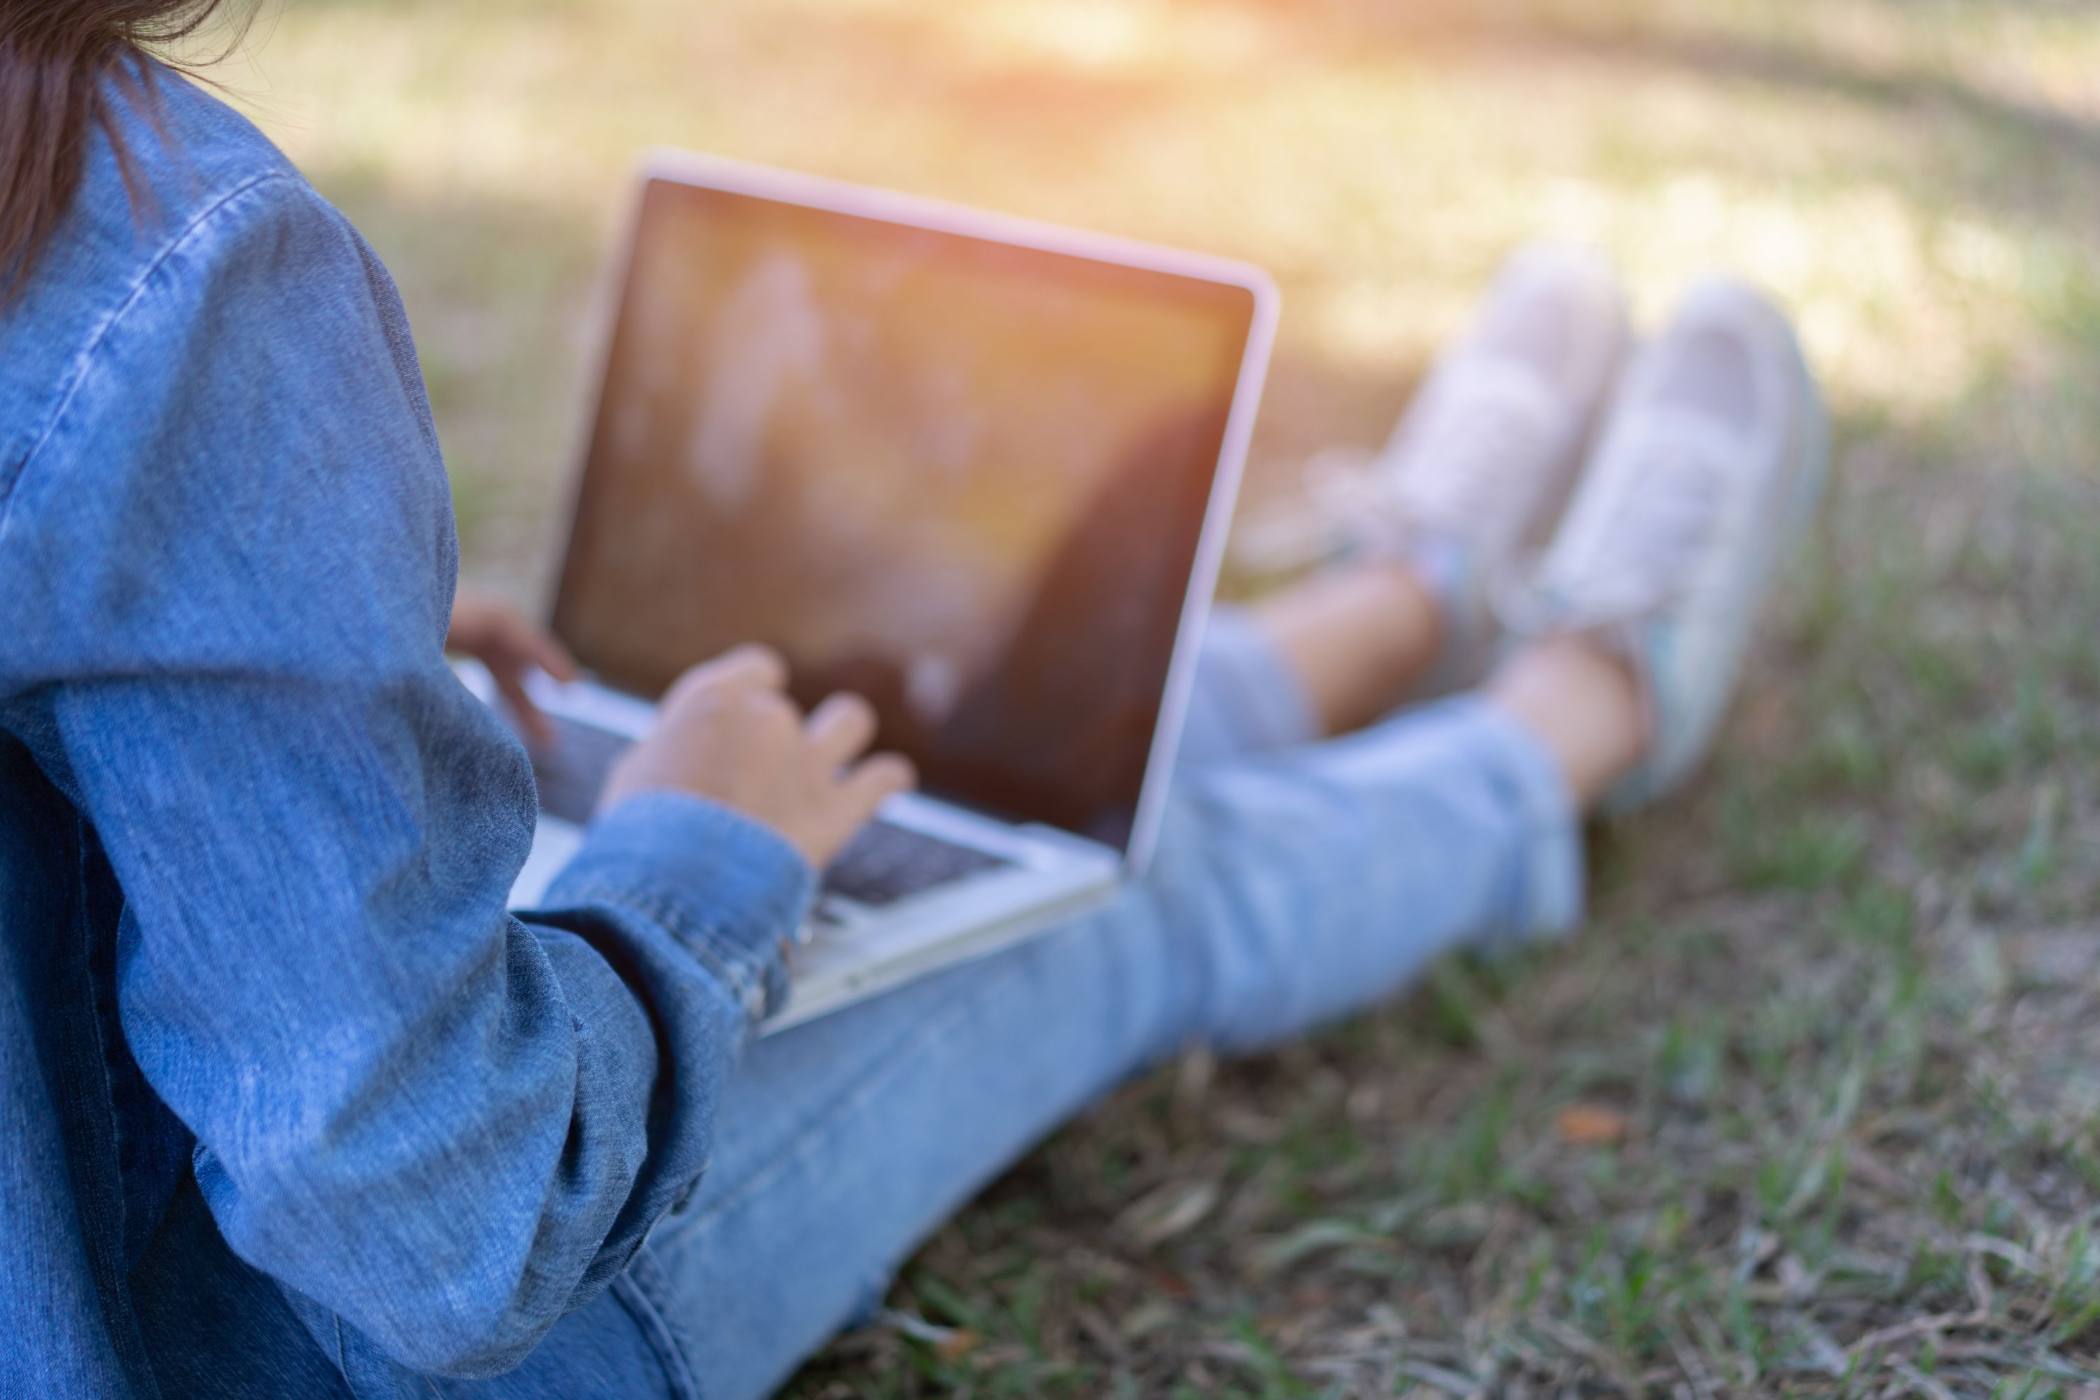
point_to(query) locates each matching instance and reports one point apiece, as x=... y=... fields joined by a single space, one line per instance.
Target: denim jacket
x=288 y=1096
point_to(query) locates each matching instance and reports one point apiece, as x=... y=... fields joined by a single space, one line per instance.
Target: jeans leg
x=1245 y=700
x=1290 y=889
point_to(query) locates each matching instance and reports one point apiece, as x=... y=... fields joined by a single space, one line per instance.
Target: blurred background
x=1915 y=177
x=1812 y=1108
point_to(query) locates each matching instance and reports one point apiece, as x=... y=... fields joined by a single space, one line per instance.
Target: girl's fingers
x=841 y=729
x=535 y=724
x=873 y=783
x=757 y=666
x=548 y=654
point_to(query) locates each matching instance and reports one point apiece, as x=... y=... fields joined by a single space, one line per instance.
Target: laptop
x=975 y=469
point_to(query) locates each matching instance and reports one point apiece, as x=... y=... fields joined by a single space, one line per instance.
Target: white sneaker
x=1710 y=466
x=1483 y=460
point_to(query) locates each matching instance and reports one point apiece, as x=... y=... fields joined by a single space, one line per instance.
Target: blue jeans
x=1296 y=882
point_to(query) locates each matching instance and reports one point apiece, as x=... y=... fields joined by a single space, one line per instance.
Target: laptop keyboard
x=881 y=865
x=572 y=770
x=884 y=863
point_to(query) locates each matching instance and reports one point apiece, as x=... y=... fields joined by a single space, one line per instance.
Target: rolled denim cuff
x=731 y=890
x=1246 y=700
x=1546 y=896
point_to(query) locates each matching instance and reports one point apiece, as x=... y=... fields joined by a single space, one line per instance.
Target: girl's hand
x=728 y=731
x=494 y=634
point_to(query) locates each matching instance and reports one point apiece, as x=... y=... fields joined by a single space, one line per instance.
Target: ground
x=1812 y=1106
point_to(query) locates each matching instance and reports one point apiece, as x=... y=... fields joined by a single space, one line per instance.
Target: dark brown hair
x=56 y=57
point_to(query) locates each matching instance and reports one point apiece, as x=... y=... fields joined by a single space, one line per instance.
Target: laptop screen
x=963 y=478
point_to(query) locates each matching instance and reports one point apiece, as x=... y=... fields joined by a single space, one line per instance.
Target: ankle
x=1358 y=639
x=1581 y=699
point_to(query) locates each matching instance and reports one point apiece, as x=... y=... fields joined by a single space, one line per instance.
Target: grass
x=1811 y=1108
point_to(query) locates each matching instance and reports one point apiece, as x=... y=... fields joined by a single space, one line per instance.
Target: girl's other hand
x=497 y=636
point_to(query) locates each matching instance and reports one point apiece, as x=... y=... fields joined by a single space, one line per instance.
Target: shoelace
x=1469 y=451
x=1643 y=555
x=1474 y=450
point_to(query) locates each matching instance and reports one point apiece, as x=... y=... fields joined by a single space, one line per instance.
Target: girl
x=295 y=1106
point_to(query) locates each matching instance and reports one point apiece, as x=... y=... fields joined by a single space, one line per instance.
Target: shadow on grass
x=1994 y=149
x=1791 y=65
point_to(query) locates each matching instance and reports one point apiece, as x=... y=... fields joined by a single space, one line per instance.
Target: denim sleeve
x=234 y=554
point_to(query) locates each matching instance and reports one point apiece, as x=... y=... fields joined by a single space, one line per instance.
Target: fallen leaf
x=1171 y=1283
x=1149 y=1316
x=1171 y=1210
x=1591 y=1125
x=950 y=1342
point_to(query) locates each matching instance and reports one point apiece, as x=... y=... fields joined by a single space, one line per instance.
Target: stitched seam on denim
x=102 y=1066
x=802 y=1143
x=83 y=362
x=742 y=970
x=632 y=1292
x=712 y=952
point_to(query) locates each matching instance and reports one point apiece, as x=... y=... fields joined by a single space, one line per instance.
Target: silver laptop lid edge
x=1203 y=575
